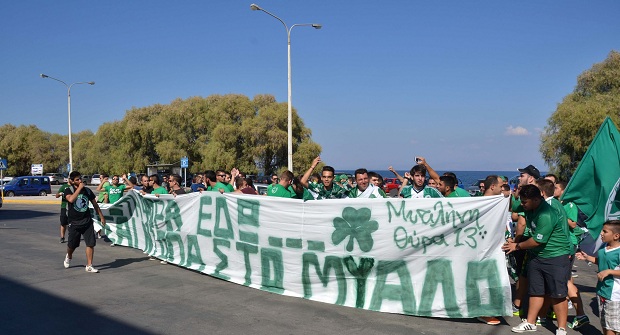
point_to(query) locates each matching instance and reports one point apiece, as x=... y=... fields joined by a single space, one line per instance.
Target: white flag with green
x=428 y=257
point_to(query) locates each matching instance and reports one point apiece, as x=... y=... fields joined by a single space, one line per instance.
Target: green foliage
x=26 y=145
x=219 y=131
x=571 y=128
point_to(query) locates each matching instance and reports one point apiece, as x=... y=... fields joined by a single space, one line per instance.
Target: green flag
x=594 y=186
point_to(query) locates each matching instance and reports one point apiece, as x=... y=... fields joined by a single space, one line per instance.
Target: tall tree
x=219 y=131
x=571 y=128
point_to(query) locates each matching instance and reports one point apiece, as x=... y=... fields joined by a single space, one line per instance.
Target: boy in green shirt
x=63 y=212
x=608 y=286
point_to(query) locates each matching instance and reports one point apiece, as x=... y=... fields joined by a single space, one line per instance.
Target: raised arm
x=399 y=177
x=306 y=176
x=434 y=175
x=128 y=183
x=100 y=186
x=404 y=184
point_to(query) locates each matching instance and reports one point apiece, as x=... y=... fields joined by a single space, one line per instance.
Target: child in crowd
x=608 y=286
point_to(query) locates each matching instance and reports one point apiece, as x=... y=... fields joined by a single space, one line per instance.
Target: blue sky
x=467 y=84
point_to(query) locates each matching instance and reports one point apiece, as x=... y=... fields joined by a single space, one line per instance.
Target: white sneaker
x=560 y=331
x=163 y=262
x=67 y=261
x=90 y=268
x=524 y=327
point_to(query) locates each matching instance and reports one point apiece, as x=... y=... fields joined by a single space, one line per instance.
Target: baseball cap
x=531 y=170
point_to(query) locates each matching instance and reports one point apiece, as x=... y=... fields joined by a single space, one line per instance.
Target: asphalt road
x=132 y=295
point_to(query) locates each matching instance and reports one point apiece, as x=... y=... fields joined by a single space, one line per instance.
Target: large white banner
x=428 y=257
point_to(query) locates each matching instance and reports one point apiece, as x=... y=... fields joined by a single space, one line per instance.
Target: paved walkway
x=50 y=199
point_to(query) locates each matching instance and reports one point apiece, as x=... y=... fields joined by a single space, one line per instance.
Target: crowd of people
x=542 y=233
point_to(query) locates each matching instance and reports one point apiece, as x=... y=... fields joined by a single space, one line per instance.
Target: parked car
x=55 y=178
x=390 y=184
x=475 y=187
x=261 y=189
x=5 y=180
x=28 y=185
x=95 y=179
x=86 y=180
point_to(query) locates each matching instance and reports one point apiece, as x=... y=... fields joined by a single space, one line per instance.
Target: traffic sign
x=36 y=169
x=3 y=164
x=184 y=162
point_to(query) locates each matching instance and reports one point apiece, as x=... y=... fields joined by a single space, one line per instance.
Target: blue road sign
x=184 y=162
x=3 y=164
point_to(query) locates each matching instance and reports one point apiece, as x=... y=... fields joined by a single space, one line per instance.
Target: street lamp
x=69 y=112
x=290 y=102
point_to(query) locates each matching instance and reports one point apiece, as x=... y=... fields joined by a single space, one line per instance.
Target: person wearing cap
x=528 y=176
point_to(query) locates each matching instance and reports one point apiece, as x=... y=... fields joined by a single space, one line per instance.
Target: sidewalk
x=50 y=199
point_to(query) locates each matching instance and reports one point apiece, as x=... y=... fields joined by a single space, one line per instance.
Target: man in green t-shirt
x=549 y=268
x=571 y=212
x=64 y=220
x=154 y=186
x=446 y=186
x=224 y=179
x=102 y=197
x=283 y=188
x=157 y=188
x=211 y=180
x=115 y=189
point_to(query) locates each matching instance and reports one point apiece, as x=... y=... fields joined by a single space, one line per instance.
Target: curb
x=31 y=201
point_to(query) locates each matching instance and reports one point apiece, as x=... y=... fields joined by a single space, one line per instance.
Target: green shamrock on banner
x=356 y=224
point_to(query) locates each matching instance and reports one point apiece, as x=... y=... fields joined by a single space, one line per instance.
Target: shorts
x=64 y=220
x=610 y=314
x=549 y=276
x=75 y=232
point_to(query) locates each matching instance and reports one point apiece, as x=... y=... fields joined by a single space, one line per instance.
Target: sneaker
x=524 y=327
x=570 y=305
x=560 y=331
x=112 y=244
x=163 y=262
x=489 y=320
x=579 y=321
x=551 y=315
x=541 y=321
x=90 y=268
x=152 y=259
x=62 y=240
x=67 y=262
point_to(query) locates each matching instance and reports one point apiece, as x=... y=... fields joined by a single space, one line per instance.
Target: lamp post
x=290 y=102
x=69 y=112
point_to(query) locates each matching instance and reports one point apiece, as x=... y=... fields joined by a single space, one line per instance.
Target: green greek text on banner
x=426 y=257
